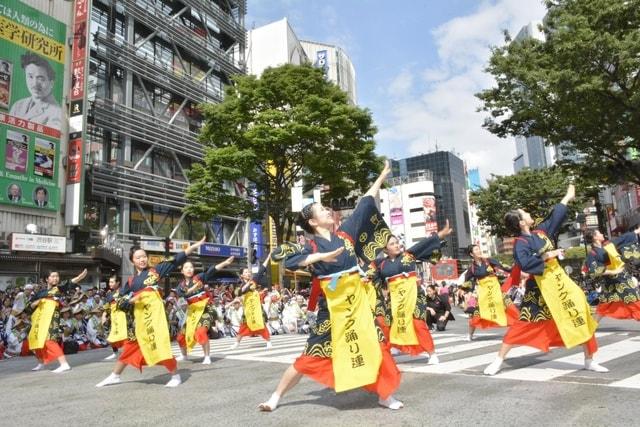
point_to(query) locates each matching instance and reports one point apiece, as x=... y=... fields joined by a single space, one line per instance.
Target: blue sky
x=417 y=65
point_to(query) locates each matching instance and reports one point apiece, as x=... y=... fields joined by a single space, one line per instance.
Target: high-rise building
x=138 y=70
x=532 y=153
x=449 y=189
x=277 y=44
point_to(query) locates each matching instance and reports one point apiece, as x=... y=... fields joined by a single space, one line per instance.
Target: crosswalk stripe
x=452 y=349
x=468 y=362
x=556 y=368
x=630 y=382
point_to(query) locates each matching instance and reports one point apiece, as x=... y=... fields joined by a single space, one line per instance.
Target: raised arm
x=375 y=188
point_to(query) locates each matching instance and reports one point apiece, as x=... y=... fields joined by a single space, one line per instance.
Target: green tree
x=535 y=191
x=287 y=125
x=579 y=87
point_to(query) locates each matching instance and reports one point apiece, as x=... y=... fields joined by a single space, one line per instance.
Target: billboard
x=429 y=209
x=32 y=52
x=445 y=269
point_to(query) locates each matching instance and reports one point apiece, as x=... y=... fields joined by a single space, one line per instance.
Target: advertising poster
x=32 y=51
x=429 y=209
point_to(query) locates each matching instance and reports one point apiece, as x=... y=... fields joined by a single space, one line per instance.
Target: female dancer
x=408 y=300
x=482 y=273
x=45 y=321
x=345 y=350
x=200 y=313
x=543 y=321
x=118 y=319
x=150 y=344
x=620 y=298
x=252 y=323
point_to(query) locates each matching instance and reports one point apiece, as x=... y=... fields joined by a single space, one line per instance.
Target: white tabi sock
x=111 y=379
x=271 y=404
x=175 y=381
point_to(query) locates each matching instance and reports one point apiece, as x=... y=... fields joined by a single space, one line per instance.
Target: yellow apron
x=152 y=330
x=118 y=330
x=253 y=311
x=370 y=290
x=567 y=303
x=404 y=293
x=615 y=262
x=490 y=300
x=356 y=355
x=40 y=321
x=194 y=313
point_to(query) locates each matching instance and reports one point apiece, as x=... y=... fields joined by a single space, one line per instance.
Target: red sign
x=446 y=269
x=26 y=124
x=74 y=161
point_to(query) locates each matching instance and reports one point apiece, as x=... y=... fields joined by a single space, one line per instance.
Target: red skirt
x=541 y=335
x=479 y=323
x=131 y=355
x=118 y=344
x=246 y=332
x=320 y=369
x=619 y=310
x=425 y=341
x=201 y=335
x=49 y=353
x=24 y=351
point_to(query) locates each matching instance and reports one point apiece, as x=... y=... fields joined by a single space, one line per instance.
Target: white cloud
x=402 y=84
x=443 y=108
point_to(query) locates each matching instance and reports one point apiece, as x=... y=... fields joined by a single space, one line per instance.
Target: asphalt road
x=548 y=390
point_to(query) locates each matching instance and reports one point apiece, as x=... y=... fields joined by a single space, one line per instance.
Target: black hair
x=48 y=273
x=116 y=278
x=470 y=248
x=133 y=251
x=303 y=218
x=512 y=222
x=432 y=287
x=588 y=236
x=32 y=58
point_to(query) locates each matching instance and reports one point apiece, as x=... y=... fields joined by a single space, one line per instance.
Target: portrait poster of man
x=16 y=151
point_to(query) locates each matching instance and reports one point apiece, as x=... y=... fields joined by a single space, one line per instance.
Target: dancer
x=150 y=343
x=253 y=319
x=554 y=311
x=120 y=322
x=620 y=298
x=45 y=321
x=200 y=314
x=408 y=299
x=494 y=309
x=345 y=350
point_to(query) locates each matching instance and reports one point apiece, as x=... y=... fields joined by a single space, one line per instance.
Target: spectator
x=234 y=314
x=438 y=309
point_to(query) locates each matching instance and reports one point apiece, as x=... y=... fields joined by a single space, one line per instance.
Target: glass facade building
x=449 y=182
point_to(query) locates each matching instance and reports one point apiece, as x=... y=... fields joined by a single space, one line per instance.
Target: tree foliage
x=535 y=191
x=287 y=125
x=579 y=88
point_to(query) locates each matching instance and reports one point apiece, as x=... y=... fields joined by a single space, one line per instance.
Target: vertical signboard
x=32 y=53
x=74 y=199
x=396 y=215
x=255 y=235
x=322 y=61
x=429 y=209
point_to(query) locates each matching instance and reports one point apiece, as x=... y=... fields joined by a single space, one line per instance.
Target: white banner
x=38 y=243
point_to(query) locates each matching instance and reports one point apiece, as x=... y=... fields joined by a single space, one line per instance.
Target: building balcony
x=222 y=19
x=144 y=127
x=121 y=53
x=196 y=44
x=126 y=183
